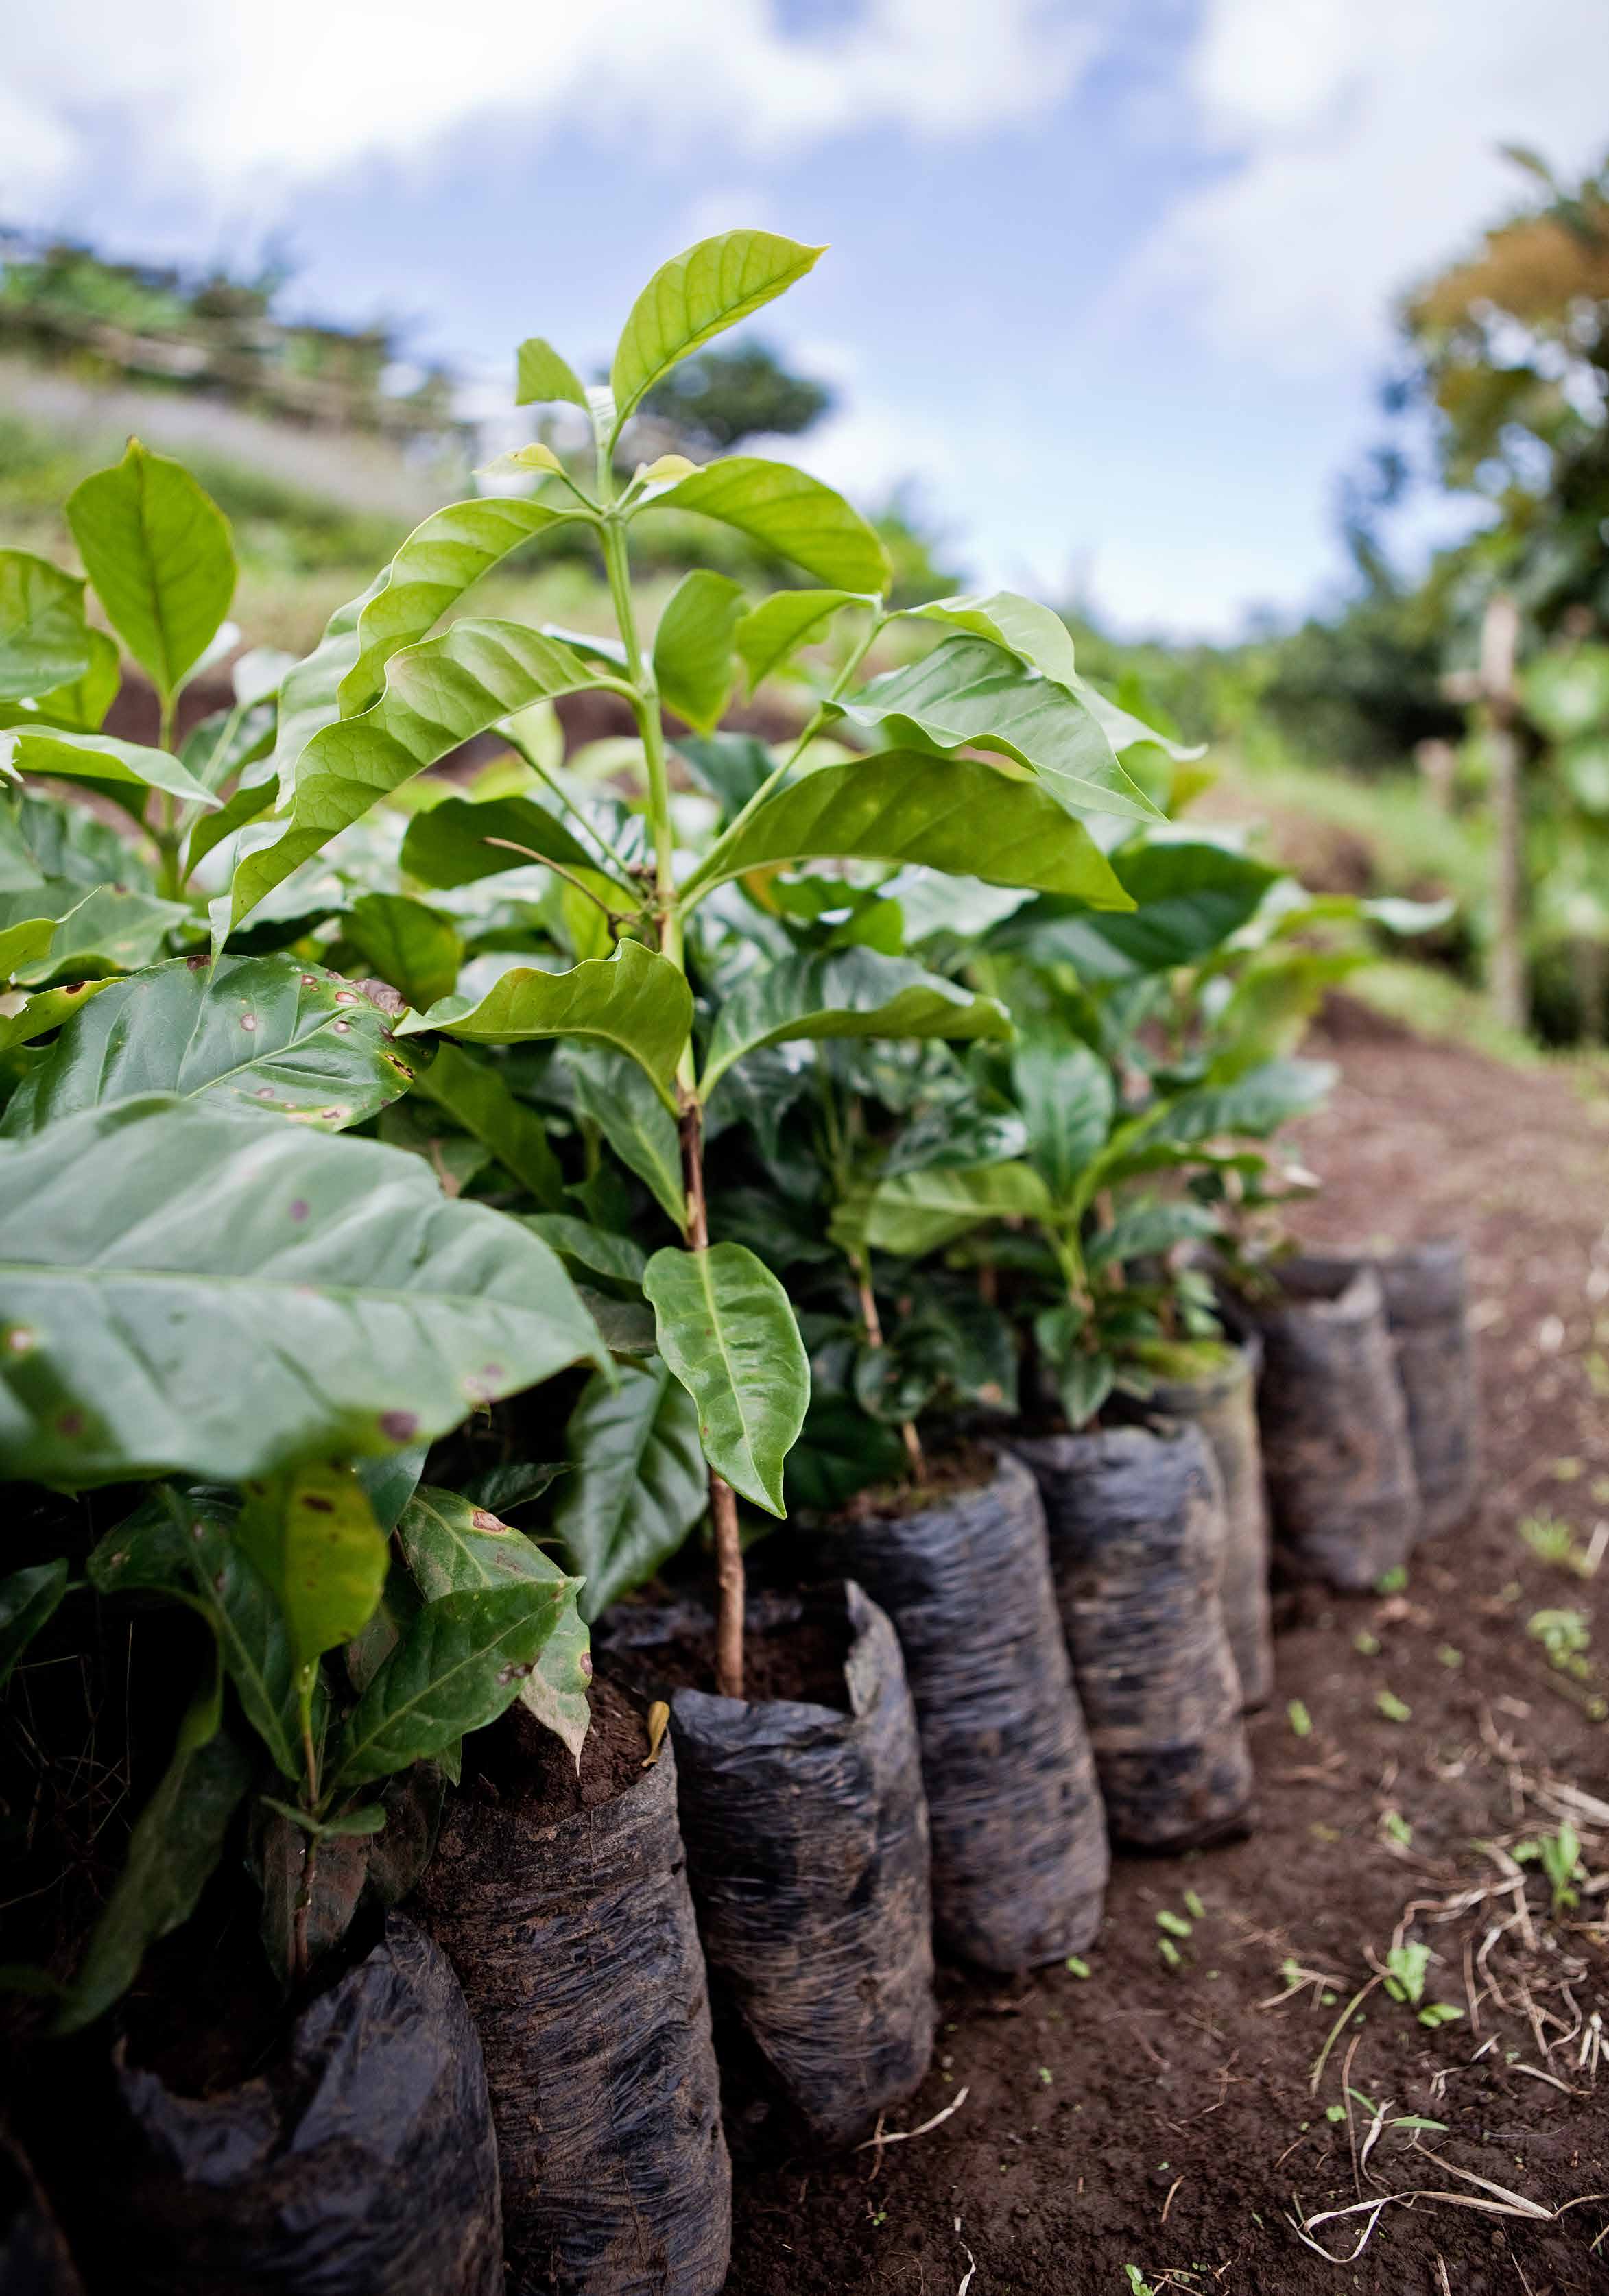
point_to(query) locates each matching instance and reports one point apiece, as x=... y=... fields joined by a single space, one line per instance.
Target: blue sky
x=1109 y=279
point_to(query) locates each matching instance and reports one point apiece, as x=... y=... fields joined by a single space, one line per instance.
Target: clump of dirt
x=519 y=1763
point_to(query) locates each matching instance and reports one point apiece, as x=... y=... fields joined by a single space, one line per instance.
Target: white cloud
x=1358 y=140
x=237 y=95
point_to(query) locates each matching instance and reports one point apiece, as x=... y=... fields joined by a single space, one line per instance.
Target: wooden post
x=1510 y=983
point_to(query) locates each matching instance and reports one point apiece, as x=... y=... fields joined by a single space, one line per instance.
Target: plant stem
x=299 y=1961
x=615 y=916
x=616 y=859
x=169 y=878
x=722 y=1498
x=872 y=1323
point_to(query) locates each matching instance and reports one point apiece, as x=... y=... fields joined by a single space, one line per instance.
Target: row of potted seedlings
x=867 y=1133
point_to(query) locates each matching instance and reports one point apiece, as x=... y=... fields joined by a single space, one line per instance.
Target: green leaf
x=172 y=1851
x=770 y=633
x=157 y=549
x=311 y=1533
x=639 y=1483
x=449 y=845
x=1143 y=1229
x=966 y=694
x=956 y=814
x=80 y=707
x=27 y=942
x=725 y=1328
x=1068 y=1099
x=915 y=1212
x=415 y=949
x=852 y=992
x=615 y=1257
x=459 y=1663
x=43 y=639
x=635 y=1001
x=693 y=646
x=310 y=693
x=786 y=511
x=189 y=1290
x=454 y=1545
x=1123 y=730
x=1040 y=638
x=98 y=757
x=1188 y=898
x=1255 y=1103
x=475 y=1095
x=29 y=1600
x=435 y=566
x=1083 y=1383
x=251 y=798
x=732 y=766
x=105 y=930
x=437 y=695
x=695 y=296
x=540 y=373
x=613 y=1094
x=264 y=1032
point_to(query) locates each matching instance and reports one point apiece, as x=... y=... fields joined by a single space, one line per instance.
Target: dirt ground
x=1157 y=2127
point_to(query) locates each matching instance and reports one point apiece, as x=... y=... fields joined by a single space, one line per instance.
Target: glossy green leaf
x=473 y=1092
x=190 y=1289
x=771 y=633
x=1254 y=1104
x=172 y=1851
x=1068 y=1099
x=786 y=511
x=1189 y=897
x=1142 y=1230
x=43 y=638
x=594 y=1249
x=247 y=803
x=435 y=566
x=156 y=546
x=852 y=992
x=27 y=942
x=1040 y=638
x=639 y=1482
x=732 y=766
x=312 y=1535
x=415 y=949
x=49 y=1009
x=967 y=694
x=541 y=374
x=1125 y=731
x=109 y=928
x=634 y=1001
x=726 y=1328
x=613 y=1094
x=915 y=1212
x=956 y=814
x=695 y=296
x=693 y=647
x=80 y=706
x=452 y=844
x=263 y=1032
x=310 y=693
x=29 y=1600
x=228 y=742
x=437 y=695
x=98 y=757
x=459 y=1663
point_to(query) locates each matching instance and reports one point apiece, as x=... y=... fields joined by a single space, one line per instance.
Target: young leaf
x=968 y=693
x=613 y=1094
x=540 y=373
x=311 y=1533
x=415 y=948
x=851 y=993
x=726 y=1328
x=1068 y=1099
x=473 y=1092
x=460 y=1662
x=957 y=815
x=697 y=295
x=138 y=1242
x=639 y=1483
x=437 y=695
x=915 y=1212
x=1040 y=638
x=431 y=572
x=176 y=1843
x=157 y=549
x=29 y=1600
x=260 y=1032
x=43 y=638
x=98 y=757
x=788 y=512
x=635 y=1001
x=693 y=647
x=772 y=631
x=452 y=844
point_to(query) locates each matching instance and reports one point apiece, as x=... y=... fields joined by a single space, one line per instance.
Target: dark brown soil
x=967 y=1468
x=799 y=1658
x=1167 y=2117
x=521 y=1766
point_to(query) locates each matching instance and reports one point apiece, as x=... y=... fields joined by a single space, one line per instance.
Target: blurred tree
x=710 y=404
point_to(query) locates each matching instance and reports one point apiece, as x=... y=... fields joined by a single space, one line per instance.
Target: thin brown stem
x=872 y=1323
x=722 y=1498
x=620 y=916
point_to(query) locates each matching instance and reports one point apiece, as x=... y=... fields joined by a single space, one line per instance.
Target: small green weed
x=1299 y=1719
x=1394 y=1709
x=1552 y=1541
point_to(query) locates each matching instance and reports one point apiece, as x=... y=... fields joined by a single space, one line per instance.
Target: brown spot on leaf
x=315 y=1505
x=198 y=964
x=586 y=1664
x=343 y=1028
x=248 y=1022
x=71 y=1423
x=299 y=1210
x=398 y=1426
x=482 y=1520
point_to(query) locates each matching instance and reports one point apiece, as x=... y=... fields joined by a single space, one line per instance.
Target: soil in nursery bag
x=806 y=1836
x=1335 y=1448
x=358 y=2159
x=1214 y=1387
x=1426 y=1292
x=1137 y=1544
x=1020 y=1859
x=563 y=1903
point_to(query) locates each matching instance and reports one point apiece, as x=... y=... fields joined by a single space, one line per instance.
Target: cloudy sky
x=1110 y=278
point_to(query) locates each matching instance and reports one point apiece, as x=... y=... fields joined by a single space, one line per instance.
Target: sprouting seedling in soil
x=1139 y=2286
x=1366 y=1644
x=1405 y=1968
x=1396 y=1828
x=1449 y=1656
x=1566 y=1637
x=1194 y=1907
x=1393 y=1581
x=1076 y=1966
x=1170 y=1953
x=1560 y=1854
x=1393 y=1707
x=1552 y=1541
x=1299 y=1719
x=1174 y=1924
